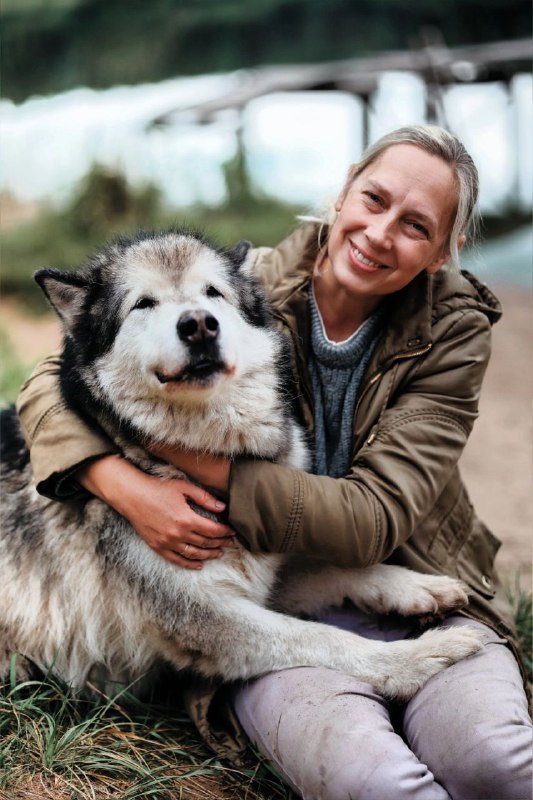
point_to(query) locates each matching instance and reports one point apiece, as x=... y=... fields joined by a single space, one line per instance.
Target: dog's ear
x=66 y=292
x=239 y=255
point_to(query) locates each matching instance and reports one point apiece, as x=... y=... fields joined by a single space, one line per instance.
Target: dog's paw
x=429 y=596
x=424 y=657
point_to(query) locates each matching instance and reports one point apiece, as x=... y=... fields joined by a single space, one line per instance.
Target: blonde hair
x=438 y=142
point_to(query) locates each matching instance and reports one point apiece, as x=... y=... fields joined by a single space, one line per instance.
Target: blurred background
x=235 y=117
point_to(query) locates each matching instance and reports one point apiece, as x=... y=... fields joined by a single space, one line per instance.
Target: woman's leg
x=330 y=737
x=470 y=725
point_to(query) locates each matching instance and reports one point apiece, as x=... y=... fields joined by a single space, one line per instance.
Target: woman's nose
x=378 y=232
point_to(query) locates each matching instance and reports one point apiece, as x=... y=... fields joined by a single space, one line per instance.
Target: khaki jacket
x=403 y=499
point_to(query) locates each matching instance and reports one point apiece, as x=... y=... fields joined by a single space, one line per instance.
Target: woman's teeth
x=361 y=257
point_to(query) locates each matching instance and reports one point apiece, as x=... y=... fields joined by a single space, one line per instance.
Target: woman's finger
x=202 y=497
x=210 y=528
x=204 y=542
x=180 y=561
x=192 y=553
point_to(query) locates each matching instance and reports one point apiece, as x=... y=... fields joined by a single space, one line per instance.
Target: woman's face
x=393 y=222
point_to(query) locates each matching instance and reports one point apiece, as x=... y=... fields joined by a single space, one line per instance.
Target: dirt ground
x=498 y=462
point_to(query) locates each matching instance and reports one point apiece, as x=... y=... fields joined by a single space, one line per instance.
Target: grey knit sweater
x=337 y=369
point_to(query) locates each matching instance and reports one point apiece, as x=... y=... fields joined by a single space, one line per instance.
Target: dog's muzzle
x=199 y=331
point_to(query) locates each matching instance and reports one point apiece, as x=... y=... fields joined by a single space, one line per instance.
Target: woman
x=390 y=345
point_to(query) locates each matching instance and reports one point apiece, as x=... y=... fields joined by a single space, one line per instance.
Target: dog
x=169 y=339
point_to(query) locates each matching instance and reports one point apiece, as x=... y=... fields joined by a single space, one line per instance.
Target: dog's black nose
x=197 y=326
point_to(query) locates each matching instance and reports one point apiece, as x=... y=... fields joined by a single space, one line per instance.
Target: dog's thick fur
x=167 y=339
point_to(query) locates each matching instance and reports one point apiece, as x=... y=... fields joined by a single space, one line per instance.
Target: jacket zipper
x=413 y=353
x=378 y=375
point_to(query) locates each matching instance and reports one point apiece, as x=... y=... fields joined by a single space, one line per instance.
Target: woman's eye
x=374 y=198
x=212 y=292
x=418 y=228
x=144 y=302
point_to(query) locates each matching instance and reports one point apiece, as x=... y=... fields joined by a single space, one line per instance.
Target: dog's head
x=164 y=319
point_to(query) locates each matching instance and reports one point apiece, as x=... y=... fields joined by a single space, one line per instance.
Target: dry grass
x=60 y=747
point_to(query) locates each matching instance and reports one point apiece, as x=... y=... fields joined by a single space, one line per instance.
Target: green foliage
x=13 y=373
x=56 y=45
x=113 y=749
x=244 y=215
x=521 y=603
x=106 y=205
x=103 y=206
x=106 y=202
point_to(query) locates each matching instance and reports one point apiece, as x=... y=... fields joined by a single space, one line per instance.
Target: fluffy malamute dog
x=168 y=339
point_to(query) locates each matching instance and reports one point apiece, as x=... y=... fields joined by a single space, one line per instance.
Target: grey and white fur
x=168 y=339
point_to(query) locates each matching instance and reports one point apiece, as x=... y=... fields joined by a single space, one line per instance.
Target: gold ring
x=184 y=553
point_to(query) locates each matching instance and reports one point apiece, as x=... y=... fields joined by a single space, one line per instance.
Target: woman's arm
x=66 y=455
x=209 y=470
x=59 y=441
x=395 y=479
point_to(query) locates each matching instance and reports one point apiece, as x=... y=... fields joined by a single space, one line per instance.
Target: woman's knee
x=498 y=764
x=386 y=779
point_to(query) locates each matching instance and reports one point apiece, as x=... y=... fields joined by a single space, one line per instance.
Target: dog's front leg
x=245 y=640
x=384 y=588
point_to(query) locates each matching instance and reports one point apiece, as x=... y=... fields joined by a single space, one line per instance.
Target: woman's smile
x=361 y=260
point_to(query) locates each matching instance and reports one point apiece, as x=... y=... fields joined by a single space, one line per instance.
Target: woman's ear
x=437 y=264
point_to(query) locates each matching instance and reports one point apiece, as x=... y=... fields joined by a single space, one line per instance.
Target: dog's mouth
x=202 y=371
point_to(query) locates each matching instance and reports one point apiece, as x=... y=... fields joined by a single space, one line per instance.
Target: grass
x=57 y=746
x=521 y=603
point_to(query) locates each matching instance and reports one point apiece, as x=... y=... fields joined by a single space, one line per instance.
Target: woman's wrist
x=118 y=483
x=108 y=478
x=210 y=471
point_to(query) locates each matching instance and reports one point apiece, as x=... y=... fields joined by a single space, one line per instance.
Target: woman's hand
x=159 y=512
x=207 y=469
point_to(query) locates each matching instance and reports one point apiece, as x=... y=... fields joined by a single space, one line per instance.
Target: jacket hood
x=463 y=289
x=414 y=310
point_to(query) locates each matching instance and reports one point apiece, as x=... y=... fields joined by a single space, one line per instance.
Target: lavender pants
x=465 y=735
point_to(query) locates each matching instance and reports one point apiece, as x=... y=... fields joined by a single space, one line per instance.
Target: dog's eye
x=212 y=292
x=144 y=302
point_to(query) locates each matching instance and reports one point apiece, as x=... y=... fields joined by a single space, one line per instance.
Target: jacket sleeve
x=395 y=478
x=59 y=441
